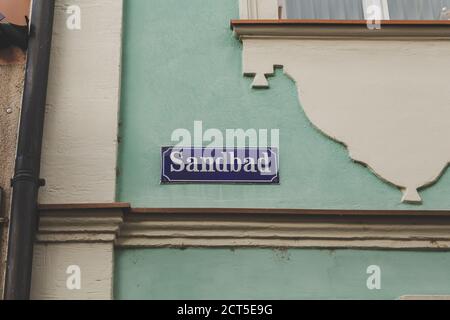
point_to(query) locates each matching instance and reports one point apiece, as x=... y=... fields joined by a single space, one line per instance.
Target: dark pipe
x=26 y=182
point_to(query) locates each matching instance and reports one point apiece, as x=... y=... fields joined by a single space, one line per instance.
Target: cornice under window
x=433 y=29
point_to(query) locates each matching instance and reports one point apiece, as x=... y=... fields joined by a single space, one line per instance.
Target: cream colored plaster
x=52 y=261
x=81 y=238
x=388 y=101
x=80 y=138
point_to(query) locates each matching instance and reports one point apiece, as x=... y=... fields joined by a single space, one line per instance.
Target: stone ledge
x=284 y=230
x=392 y=29
x=190 y=227
x=80 y=223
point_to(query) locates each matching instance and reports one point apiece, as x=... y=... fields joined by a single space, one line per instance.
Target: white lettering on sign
x=225 y=162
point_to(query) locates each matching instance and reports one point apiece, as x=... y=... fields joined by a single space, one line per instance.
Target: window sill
x=429 y=29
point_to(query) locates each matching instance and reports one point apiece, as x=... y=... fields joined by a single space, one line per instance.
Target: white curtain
x=417 y=9
x=353 y=9
x=324 y=9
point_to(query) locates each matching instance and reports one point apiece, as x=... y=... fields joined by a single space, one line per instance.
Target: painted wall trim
x=284 y=230
x=72 y=224
x=202 y=227
x=83 y=206
x=86 y=235
x=297 y=212
x=393 y=29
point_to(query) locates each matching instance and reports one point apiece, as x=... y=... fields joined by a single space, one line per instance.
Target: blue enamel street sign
x=219 y=165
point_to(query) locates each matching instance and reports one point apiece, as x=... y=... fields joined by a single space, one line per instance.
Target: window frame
x=276 y=10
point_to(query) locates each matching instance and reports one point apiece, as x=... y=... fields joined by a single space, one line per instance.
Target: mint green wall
x=272 y=274
x=181 y=64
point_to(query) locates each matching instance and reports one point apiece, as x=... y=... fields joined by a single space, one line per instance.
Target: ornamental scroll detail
x=387 y=101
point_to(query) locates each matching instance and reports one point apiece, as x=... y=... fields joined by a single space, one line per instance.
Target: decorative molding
x=400 y=134
x=330 y=213
x=83 y=206
x=80 y=223
x=85 y=235
x=251 y=227
x=258 y=9
x=370 y=231
x=341 y=29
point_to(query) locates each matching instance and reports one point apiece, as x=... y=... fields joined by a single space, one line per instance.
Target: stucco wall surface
x=51 y=271
x=176 y=72
x=80 y=134
x=277 y=274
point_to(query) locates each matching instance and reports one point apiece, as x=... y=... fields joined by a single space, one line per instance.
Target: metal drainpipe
x=26 y=182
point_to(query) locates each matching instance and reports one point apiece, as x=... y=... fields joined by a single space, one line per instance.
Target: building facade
x=358 y=110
